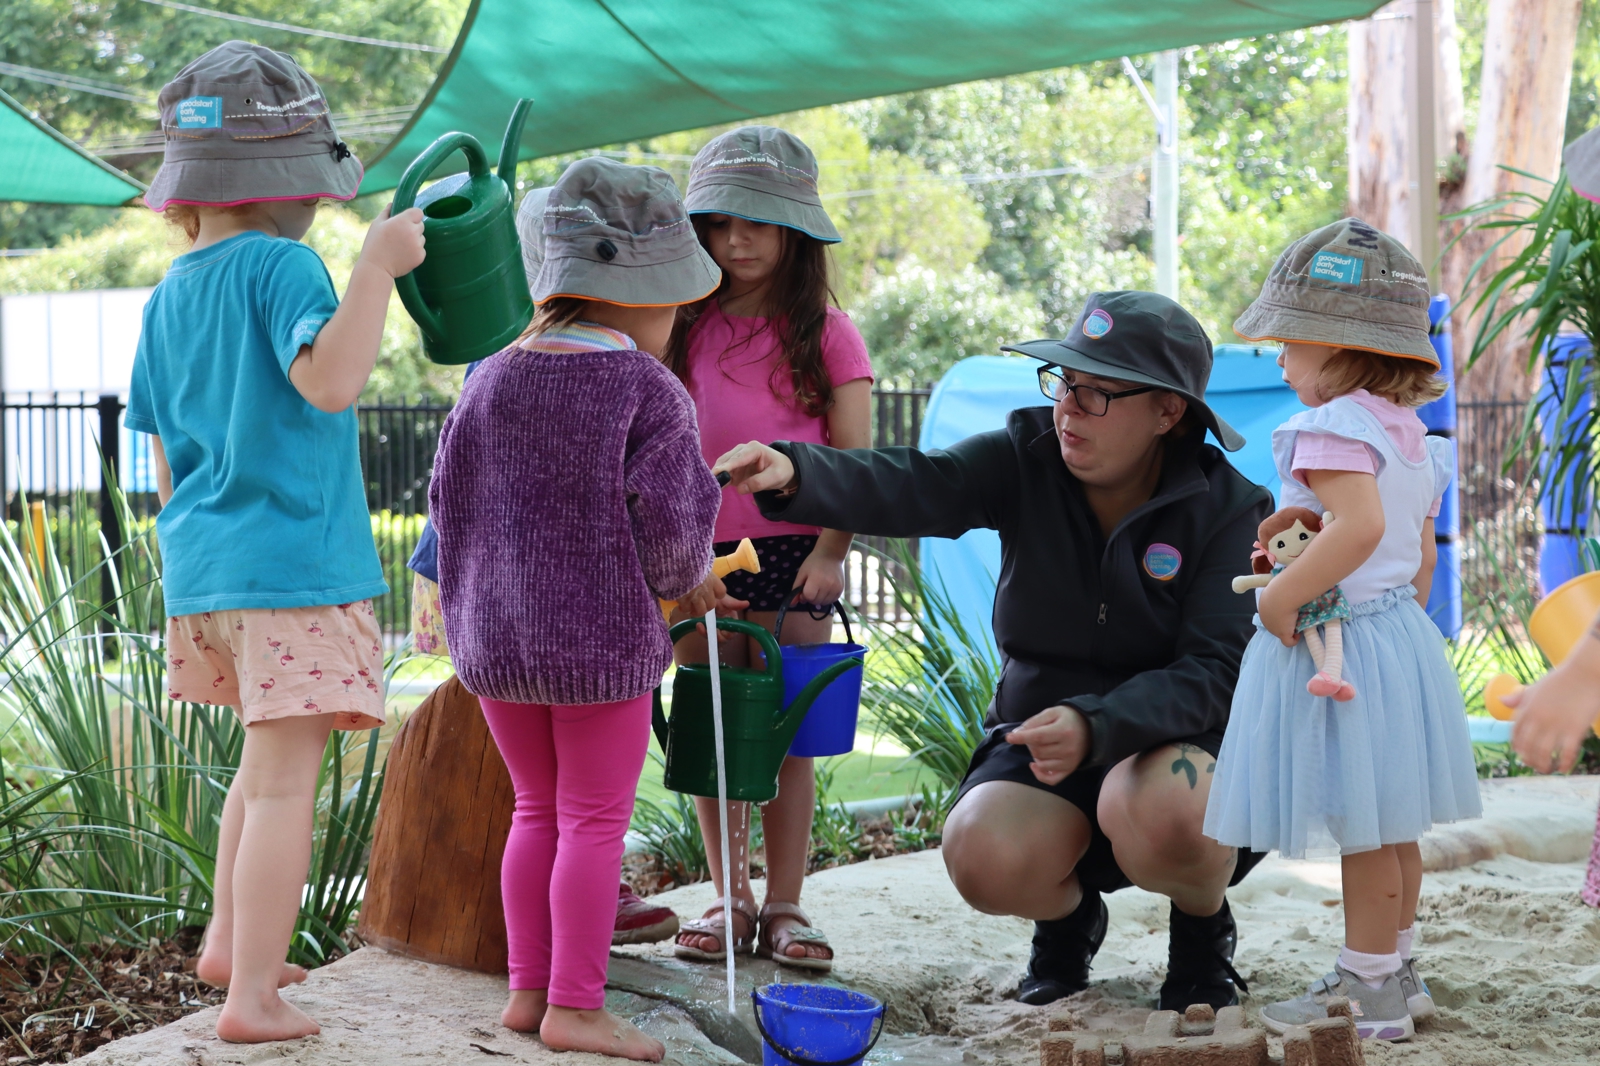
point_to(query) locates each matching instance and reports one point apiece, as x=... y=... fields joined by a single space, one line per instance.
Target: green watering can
x=469 y=297
x=756 y=726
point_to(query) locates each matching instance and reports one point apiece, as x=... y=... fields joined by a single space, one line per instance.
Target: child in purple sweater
x=572 y=464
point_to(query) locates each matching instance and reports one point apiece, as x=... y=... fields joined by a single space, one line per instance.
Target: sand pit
x=1511 y=954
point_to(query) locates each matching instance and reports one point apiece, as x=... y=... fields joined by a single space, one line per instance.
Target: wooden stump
x=433 y=884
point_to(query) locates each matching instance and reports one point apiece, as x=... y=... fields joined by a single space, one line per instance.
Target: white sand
x=1511 y=954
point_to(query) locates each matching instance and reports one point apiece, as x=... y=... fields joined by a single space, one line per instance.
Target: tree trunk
x=433 y=884
x=1522 y=116
x=1378 y=126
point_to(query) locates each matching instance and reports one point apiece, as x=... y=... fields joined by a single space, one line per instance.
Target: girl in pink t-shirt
x=766 y=358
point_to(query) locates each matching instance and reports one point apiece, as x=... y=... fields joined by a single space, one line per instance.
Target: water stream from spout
x=722 y=799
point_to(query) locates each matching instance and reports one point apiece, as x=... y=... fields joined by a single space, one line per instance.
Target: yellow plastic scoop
x=1556 y=625
x=742 y=558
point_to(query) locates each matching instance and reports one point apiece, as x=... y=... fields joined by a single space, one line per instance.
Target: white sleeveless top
x=1407 y=490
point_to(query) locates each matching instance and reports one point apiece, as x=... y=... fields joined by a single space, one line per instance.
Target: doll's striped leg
x=1327 y=680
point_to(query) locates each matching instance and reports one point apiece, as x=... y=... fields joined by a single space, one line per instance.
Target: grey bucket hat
x=530 y=232
x=1349 y=285
x=245 y=124
x=761 y=173
x=1144 y=338
x=1582 y=160
x=619 y=233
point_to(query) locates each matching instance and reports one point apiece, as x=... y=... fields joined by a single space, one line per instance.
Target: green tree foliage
x=919 y=322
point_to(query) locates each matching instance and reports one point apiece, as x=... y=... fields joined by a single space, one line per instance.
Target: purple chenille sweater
x=568 y=493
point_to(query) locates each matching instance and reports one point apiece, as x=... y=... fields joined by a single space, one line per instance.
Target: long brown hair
x=798 y=295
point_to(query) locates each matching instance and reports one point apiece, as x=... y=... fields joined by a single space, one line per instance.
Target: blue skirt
x=1305 y=775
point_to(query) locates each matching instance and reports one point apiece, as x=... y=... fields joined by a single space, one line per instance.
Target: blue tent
x=1246 y=390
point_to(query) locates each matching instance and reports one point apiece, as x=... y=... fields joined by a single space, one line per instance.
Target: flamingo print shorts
x=275 y=663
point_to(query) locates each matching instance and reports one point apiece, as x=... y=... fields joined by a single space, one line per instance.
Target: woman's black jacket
x=1079 y=617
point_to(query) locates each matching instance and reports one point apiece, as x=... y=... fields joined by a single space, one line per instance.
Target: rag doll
x=1284 y=534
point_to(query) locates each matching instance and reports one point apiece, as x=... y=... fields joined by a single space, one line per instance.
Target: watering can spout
x=788 y=723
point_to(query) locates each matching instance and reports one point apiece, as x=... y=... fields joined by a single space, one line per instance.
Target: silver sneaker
x=1380 y=1014
x=1418 y=1002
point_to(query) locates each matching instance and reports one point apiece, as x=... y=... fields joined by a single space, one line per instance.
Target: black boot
x=1062 y=950
x=1200 y=962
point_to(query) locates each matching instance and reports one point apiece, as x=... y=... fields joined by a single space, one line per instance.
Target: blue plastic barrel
x=1564 y=505
x=815 y=1025
x=830 y=726
x=1444 y=600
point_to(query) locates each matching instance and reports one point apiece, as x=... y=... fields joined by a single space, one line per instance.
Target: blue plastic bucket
x=830 y=726
x=815 y=1025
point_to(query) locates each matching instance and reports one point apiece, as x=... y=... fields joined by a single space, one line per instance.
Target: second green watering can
x=756 y=726
x=469 y=297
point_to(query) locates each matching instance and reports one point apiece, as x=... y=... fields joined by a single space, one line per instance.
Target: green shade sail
x=39 y=165
x=607 y=71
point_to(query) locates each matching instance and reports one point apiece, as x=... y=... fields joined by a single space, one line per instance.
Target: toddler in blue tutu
x=1367 y=776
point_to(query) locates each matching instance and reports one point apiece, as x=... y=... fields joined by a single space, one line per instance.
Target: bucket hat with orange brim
x=245 y=124
x=1348 y=285
x=619 y=233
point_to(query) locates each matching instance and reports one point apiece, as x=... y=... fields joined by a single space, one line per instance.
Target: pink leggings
x=575 y=770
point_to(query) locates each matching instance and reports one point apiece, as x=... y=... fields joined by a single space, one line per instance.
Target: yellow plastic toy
x=742 y=558
x=1555 y=626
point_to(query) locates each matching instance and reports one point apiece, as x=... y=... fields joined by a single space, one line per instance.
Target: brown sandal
x=710 y=924
x=787 y=937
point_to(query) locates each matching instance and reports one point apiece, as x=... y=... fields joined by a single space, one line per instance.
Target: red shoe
x=641 y=922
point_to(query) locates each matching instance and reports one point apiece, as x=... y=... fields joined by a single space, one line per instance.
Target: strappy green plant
x=928 y=688
x=1552 y=283
x=137 y=779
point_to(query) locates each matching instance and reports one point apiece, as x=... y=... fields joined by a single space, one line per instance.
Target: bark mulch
x=50 y=1010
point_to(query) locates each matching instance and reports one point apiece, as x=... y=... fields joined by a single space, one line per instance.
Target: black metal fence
x=50 y=457
x=1499 y=503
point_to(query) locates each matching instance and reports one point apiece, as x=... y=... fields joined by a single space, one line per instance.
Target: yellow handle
x=1494 y=694
x=741 y=558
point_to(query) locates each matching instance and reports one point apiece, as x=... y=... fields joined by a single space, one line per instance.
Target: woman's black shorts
x=780 y=557
x=995 y=760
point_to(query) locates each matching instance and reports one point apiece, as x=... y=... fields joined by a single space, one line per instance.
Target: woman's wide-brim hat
x=619 y=233
x=1346 y=285
x=1143 y=338
x=244 y=124
x=761 y=173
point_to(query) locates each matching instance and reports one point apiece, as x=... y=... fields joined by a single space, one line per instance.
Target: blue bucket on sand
x=830 y=726
x=815 y=1025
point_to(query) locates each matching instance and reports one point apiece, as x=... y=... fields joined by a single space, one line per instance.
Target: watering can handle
x=405 y=196
x=769 y=645
x=777 y=628
x=790 y=1055
x=658 y=718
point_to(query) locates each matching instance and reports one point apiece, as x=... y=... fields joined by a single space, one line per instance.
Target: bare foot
x=600 y=1031
x=215 y=968
x=259 y=1022
x=524 y=1010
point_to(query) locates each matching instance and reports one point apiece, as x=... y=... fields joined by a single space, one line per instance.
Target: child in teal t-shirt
x=245 y=376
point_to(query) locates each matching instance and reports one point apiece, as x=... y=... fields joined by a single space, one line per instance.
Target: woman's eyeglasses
x=1093 y=401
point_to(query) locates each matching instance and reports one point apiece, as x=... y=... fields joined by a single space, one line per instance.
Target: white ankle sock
x=1372 y=969
x=1403 y=944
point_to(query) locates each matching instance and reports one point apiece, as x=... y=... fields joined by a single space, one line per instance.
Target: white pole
x=722 y=799
x=1423 y=177
x=1164 y=176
